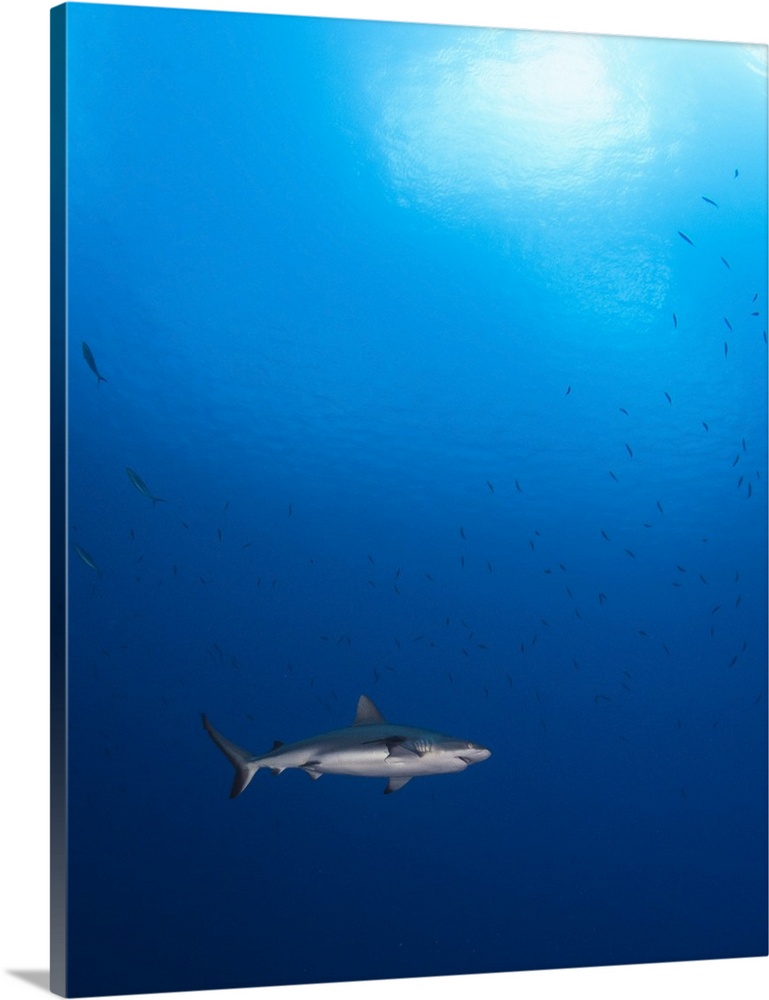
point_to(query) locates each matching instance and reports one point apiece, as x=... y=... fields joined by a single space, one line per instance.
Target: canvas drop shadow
x=37 y=977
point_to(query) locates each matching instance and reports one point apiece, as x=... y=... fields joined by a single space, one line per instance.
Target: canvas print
x=409 y=524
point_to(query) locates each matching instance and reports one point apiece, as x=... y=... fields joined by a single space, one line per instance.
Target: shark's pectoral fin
x=395 y=783
x=398 y=748
x=401 y=751
x=311 y=768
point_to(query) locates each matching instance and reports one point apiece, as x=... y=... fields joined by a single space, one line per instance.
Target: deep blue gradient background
x=388 y=315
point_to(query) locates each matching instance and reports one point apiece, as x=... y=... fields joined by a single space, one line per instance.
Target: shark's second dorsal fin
x=367 y=712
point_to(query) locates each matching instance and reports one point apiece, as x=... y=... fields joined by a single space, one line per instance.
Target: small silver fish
x=91 y=362
x=141 y=486
x=87 y=558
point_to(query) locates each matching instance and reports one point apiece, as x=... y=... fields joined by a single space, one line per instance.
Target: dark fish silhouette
x=728 y=323
x=142 y=487
x=726 y=349
x=709 y=201
x=685 y=237
x=675 y=321
x=736 y=174
x=629 y=450
x=667 y=397
x=726 y=262
x=89 y=360
x=87 y=558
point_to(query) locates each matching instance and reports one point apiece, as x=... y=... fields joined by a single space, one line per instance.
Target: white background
x=24 y=37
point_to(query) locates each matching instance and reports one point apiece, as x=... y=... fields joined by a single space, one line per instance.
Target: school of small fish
x=446 y=632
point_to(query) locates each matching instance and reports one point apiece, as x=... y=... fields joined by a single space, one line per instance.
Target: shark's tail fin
x=244 y=762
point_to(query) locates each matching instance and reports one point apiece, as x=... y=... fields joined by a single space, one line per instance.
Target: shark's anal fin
x=395 y=783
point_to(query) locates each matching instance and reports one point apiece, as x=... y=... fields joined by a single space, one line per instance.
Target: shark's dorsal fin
x=367 y=712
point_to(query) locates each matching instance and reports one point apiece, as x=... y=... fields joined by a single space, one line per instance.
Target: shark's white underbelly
x=380 y=763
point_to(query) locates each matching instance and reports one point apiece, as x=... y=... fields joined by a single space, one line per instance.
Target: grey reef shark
x=369 y=748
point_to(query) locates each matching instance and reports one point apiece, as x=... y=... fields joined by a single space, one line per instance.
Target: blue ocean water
x=445 y=349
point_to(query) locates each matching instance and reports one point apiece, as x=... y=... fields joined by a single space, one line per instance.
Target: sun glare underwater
x=428 y=364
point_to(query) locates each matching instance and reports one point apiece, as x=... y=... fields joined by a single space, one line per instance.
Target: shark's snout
x=474 y=753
